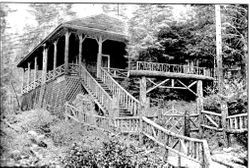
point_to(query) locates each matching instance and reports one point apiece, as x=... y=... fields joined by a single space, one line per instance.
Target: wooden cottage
x=85 y=56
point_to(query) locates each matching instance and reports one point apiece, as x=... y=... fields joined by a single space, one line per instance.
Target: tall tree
x=143 y=29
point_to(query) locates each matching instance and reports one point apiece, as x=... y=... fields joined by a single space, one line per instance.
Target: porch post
x=199 y=101
x=55 y=55
x=99 y=57
x=23 y=76
x=66 y=52
x=35 y=69
x=45 y=60
x=28 y=73
x=81 y=39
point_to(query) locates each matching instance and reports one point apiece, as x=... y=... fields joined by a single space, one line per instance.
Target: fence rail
x=176 y=68
x=192 y=149
x=237 y=122
x=126 y=100
x=117 y=73
x=211 y=120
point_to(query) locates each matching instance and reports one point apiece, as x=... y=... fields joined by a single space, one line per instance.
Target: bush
x=64 y=132
x=111 y=154
x=212 y=103
x=36 y=120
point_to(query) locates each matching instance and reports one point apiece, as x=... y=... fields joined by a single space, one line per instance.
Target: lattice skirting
x=53 y=95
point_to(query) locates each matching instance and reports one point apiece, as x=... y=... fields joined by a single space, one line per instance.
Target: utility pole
x=219 y=69
x=223 y=102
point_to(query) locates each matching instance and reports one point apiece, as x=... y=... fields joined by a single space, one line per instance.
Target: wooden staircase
x=104 y=93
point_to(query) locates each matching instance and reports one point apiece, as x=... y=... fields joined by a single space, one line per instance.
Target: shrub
x=111 y=154
x=36 y=120
x=64 y=132
x=212 y=103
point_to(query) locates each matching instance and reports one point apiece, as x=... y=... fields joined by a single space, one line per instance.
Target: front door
x=106 y=61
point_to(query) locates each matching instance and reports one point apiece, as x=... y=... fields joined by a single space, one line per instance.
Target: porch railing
x=175 y=68
x=51 y=75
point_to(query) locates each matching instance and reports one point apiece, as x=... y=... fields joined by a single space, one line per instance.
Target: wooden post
x=81 y=39
x=224 y=112
x=45 y=60
x=23 y=78
x=218 y=47
x=200 y=105
x=28 y=80
x=186 y=131
x=99 y=57
x=115 y=111
x=35 y=69
x=143 y=101
x=55 y=55
x=66 y=52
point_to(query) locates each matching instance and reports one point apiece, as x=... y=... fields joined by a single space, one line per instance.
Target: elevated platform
x=152 y=69
x=149 y=73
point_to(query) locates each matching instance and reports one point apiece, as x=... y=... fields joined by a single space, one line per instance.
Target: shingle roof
x=101 y=23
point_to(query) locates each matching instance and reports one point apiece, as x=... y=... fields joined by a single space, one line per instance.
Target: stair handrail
x=132 y=104
x=204 y=159
x=102 y=95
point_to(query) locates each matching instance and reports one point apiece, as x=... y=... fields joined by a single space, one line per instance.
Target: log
x=147 y=73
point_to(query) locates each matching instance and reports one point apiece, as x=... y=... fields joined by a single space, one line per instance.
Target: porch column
x=28 y=80
x=45 y=60
x=35 y=69
x=81 y=39
x=199 y=101
x=99 y=56
x=55 y=55
x=23 y=78
x=66 y=52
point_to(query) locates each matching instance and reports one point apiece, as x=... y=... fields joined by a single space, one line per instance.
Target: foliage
x=235 y=35
x=112 y=153
x=37 y=120
x=63 y=133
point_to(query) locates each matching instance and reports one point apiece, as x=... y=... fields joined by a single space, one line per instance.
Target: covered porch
x=69 y=46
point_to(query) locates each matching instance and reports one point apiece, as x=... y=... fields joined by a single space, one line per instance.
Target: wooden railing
x=191 y=149
x=87 y=118
x=117 y=73
x=96 y=89
x=237 y=123
x=51 y=75
x=211 y=120
x=176 y=68
x=126 y=100
x=195 y=150
x=128 y=124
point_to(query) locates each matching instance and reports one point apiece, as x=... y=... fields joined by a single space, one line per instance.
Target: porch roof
x=92 y=26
